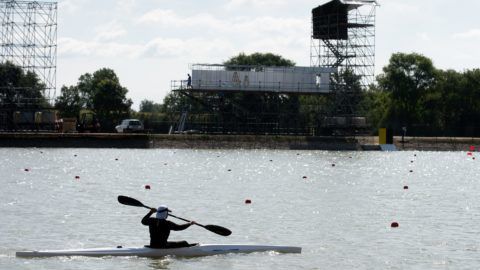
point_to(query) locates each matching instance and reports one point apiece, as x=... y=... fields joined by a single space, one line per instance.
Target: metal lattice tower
x=28 y=38
x=343 y=37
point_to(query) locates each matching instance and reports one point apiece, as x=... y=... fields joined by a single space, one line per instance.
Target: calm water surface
x=340 y=214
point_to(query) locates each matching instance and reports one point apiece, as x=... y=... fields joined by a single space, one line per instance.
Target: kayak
x=193 y=251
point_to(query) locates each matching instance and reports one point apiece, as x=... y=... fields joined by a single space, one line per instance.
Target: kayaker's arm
x=176 y=227
x=146 y=218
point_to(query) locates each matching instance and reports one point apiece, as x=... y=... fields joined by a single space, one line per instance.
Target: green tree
x=408 y=78
x=109 y=97
x=100 y=92
x=259 y=59
x=149 y=106
x=19 y=88
x=69 y=103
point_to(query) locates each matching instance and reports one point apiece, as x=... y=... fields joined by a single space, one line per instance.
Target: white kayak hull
x=194 y=251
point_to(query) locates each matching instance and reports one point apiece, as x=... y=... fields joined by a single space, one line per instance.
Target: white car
x=130 y=125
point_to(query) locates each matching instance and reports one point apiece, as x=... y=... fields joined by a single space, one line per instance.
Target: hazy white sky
x=151 y=42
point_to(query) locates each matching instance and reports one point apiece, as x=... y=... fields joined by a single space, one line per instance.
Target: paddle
x=213 y=228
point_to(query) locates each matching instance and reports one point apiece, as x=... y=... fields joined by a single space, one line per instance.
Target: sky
x=149 y=43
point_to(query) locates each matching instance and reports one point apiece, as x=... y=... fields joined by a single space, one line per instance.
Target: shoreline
x=185 y=141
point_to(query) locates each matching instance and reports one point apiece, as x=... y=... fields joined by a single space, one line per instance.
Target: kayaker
x=160 y=228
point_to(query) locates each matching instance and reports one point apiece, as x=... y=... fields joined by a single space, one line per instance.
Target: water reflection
x=160 y=263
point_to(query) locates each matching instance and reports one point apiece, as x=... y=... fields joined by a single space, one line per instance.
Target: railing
x=277 y=87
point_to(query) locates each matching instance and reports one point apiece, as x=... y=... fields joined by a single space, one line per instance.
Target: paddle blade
x=218 y=230
x=129 y=201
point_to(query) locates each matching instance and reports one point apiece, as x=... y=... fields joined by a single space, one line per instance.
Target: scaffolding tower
x=343 y=37
x=28 y=39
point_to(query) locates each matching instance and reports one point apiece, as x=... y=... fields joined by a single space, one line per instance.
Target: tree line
x=410 y=92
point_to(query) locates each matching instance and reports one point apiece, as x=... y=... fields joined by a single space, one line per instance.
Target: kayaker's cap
x=162 y=212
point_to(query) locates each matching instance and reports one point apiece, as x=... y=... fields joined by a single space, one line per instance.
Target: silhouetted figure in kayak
x=160 y=229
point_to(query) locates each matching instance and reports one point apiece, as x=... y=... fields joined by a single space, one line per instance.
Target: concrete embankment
x=145 y=141
x=104 y=140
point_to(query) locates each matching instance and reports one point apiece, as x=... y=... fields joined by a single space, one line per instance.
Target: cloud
x=238 y=25
x=471 y=34
x=169 y=18
x=158 y=47
x=109 y=31
x=70 y=6
x=253 y=4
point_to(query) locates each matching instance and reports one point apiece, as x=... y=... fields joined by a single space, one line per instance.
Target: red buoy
x=394 y=225
x=405 y=187
x=147 y=186
x=248 y=201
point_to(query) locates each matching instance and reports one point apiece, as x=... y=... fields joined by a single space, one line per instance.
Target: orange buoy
x=248 y=201
x=147 y=186
x=394 y=225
